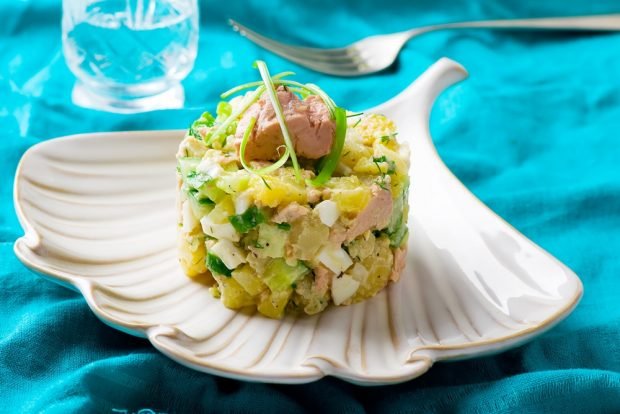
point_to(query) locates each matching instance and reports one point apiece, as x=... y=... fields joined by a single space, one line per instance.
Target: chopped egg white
x=210 y=167
x=189 y=220
x=229 y=254
x=343 y=287
x=242 y=203
x=335 y=259
x=328 y=212
x=219 y=231
x=358 y=272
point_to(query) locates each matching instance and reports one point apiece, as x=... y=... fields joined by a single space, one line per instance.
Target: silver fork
x=375 y=53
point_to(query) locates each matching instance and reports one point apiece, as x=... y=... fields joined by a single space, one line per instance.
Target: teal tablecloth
x=534 y=132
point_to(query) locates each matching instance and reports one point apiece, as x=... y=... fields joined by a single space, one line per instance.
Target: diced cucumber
x=397 y=215
x=272 y=239
x=279 y=276
x=215 y=265
x=205 y=120
x=223 y=111
x=246 y=221
x=397 y=229
x=187 y=165
x=191 y=177
x=397 y=238
x=211 y=192
x=201 y=206
x=234 y=182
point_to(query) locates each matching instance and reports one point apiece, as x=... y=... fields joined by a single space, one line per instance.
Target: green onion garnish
x=252 y=84
x=226 y=118
x=331 y=161
x=303 y=93
x=304 y=90
x=247 y=102
x=275 y=102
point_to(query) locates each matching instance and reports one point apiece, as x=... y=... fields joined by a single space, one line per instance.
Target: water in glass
x=130 y=55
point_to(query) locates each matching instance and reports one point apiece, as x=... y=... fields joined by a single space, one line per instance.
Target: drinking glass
x=129 y=55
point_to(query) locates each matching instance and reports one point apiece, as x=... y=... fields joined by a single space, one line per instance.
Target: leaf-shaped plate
x=98 y=211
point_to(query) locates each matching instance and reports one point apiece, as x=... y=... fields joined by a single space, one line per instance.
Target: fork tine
x=282 y=49
x=339 y=62
x=292 y=52
x=348 y=69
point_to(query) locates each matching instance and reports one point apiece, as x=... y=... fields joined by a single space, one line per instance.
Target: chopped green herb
x=381 y=182
x=357 y=123
x=391 y=165
x=387 y=138
x=357 y=114
x=194 y=133
x=196 y=179
x=284 y=226
x=377 y=160
x=215 y=265
x=246 y=221
x=265 y=182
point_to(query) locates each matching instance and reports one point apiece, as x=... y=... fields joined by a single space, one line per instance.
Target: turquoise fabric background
x=534 y=132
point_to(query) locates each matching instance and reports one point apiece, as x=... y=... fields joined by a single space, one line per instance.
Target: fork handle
x=607 y=22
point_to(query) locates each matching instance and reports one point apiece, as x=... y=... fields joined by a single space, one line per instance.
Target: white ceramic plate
x=98 y=213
